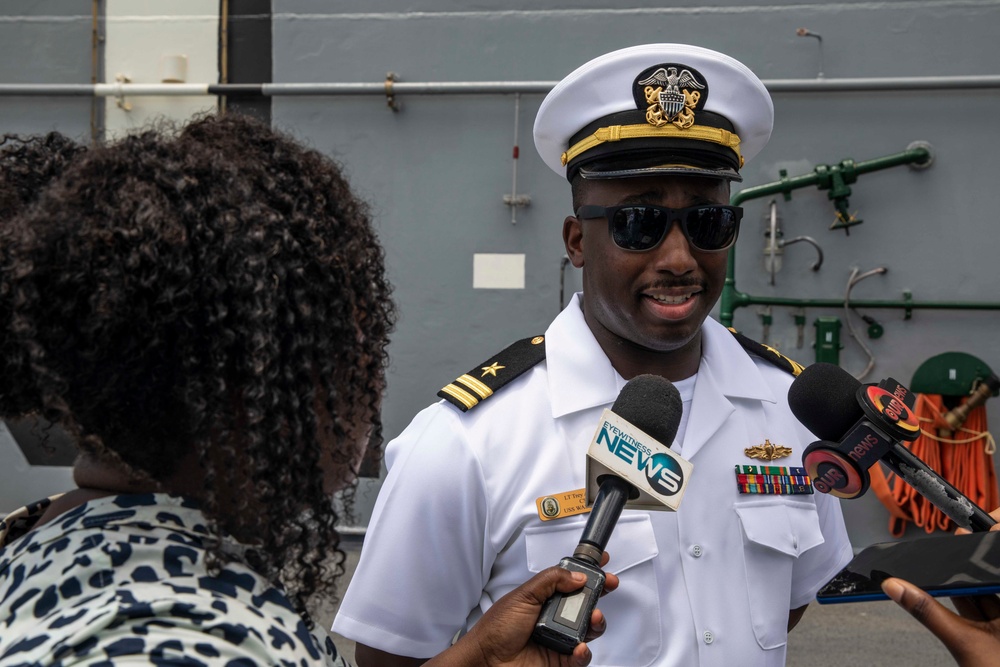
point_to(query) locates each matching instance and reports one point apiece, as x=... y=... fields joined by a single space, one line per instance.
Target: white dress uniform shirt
x=456 y=525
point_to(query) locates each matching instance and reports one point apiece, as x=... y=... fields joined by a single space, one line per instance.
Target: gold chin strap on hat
x=713 y=135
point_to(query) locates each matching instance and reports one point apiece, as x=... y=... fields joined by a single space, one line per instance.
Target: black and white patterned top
x=123 y=577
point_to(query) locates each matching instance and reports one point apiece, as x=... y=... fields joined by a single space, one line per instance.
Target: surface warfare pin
x=767 y=451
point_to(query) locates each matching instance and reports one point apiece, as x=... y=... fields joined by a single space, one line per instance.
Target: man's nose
x=674 y=252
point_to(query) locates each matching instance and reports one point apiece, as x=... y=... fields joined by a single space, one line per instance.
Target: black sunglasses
x=709 y=228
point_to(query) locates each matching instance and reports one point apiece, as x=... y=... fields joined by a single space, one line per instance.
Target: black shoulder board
x=768 y=353
x=481 y=382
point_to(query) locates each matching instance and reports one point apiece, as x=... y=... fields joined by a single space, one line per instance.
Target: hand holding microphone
x=635 y=441
x=502 y=635
x=860 y=425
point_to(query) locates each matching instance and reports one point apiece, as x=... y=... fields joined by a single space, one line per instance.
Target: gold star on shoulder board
x=492 y=369
x=767 y=451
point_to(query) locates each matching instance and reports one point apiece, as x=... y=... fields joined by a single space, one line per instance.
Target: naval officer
x=485 y=487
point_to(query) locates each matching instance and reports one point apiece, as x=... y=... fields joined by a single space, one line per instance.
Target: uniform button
x=709 y=637
x=696 y=551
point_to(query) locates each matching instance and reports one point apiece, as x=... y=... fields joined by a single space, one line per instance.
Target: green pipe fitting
x=825 y=177
x=821 y=177
x=741 y=299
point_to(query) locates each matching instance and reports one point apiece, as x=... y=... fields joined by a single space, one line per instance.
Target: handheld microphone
x=636 y=434
x=860 y=425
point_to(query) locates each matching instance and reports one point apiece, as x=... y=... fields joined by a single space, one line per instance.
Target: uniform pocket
x=776 y=531
x=635 y=606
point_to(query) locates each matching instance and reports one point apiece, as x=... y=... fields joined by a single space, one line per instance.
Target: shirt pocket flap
x=631 y=543
x=791 y=528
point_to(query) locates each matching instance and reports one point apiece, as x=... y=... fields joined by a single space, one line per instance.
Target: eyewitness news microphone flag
x=627 y=448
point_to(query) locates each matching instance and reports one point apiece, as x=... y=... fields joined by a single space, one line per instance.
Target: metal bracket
x=120 y=100
x=786 y=189
x=390 y=96
x=517 y=200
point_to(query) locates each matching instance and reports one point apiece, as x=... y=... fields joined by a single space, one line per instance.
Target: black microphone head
x=652 y=404
x=824 y=398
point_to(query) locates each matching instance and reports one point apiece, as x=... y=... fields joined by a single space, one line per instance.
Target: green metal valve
x=843 y=218
x=875 y=330
x=836 y=178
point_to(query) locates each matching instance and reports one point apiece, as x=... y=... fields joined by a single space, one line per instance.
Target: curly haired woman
x=206 y=312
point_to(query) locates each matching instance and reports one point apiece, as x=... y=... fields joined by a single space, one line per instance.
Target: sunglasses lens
x=638 y=227
x=712 y=227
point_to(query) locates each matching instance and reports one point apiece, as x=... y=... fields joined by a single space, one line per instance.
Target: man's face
x=656 y=299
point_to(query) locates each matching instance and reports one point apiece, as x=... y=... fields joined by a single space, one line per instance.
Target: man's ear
x=573 y=240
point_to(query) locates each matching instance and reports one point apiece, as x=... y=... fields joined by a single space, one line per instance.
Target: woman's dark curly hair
x=27 y=164
x=214 y=292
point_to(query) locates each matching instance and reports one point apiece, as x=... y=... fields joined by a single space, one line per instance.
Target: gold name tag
x=559 y=505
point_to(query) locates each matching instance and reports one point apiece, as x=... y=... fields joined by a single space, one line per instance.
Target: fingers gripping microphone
x=860 y=425
x=634 y=439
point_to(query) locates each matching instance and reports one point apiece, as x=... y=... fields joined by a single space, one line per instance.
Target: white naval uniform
x=456 y=525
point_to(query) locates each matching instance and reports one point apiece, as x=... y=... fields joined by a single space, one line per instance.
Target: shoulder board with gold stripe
x=768 y=353
x=468 y=390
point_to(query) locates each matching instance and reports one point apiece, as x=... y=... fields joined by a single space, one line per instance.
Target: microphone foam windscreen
x=652 y=404
x=824 y=398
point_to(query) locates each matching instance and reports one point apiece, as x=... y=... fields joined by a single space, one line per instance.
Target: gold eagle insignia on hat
x=671 y=97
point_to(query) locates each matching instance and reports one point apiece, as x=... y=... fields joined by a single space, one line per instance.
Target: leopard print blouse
x=123 y=579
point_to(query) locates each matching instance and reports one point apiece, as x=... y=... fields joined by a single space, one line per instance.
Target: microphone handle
x=955 y=505
x=611 y=497
x=565 y=617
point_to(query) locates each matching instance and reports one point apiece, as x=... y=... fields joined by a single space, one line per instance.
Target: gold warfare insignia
x=671 y=93
x=492 y=369
x=767 y=451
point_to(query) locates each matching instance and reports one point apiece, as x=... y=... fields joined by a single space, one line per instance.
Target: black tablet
x=944 y=565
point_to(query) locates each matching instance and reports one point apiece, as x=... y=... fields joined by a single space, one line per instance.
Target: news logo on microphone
x=621 y=449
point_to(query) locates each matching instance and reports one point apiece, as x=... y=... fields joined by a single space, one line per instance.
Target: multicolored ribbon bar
x=774 y=480
x=770 y=470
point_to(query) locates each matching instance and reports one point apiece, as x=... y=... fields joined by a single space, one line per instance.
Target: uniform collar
x=732 y=367
x=581 y=376
x=726 y=372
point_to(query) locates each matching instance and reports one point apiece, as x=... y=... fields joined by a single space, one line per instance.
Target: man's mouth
x=669 y=299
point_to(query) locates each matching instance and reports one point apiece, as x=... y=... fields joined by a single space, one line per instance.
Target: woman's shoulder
x=128 y=576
